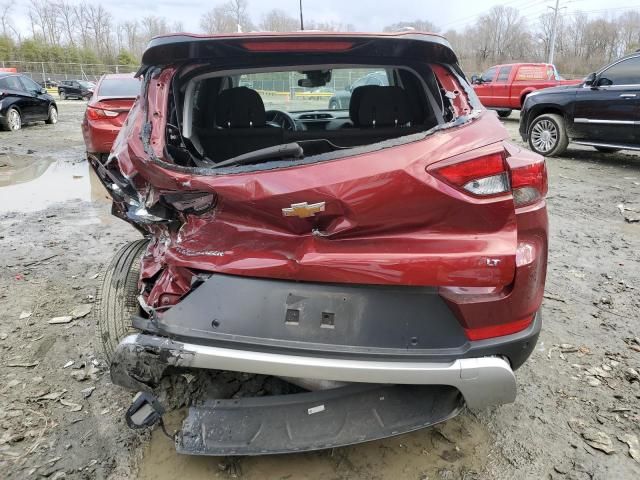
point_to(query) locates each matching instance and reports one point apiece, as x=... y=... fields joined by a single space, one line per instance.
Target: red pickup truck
x=504 y=87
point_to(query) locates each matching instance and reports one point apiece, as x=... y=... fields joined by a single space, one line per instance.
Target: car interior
x=221 y=118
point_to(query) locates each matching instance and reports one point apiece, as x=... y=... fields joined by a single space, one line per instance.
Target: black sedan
x=22 y=101
x=76 y=89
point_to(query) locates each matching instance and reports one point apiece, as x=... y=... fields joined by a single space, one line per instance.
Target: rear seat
x=377 y=113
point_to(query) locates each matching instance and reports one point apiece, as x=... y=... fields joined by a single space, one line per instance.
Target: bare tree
x=130 y=34
x=81 y=20
x=583 y=43
x=177 y=27
x=153 y=26
x=629 y=32
x=66 y=18
x=278 y=20
x=237 y=9
x=218 y=20
x=100 y=26
x=5 y=19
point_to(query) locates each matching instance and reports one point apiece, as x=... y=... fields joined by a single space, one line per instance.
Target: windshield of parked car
x=119 y=87
x=281 y=91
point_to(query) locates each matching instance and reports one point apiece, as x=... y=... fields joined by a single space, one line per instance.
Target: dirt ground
x=577 y=415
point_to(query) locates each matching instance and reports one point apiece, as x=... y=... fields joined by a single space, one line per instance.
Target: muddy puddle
x=31 y=183
x=457 y=448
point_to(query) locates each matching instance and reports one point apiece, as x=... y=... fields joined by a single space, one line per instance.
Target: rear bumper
x=141 y=359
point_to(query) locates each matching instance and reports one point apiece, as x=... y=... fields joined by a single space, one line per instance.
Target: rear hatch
x=388 y=215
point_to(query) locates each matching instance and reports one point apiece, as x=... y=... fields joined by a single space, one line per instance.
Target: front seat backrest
x=384 y=107
x=356 y=98
x=239 y=107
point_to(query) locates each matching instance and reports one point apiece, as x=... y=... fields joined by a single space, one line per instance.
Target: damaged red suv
x=390 y=258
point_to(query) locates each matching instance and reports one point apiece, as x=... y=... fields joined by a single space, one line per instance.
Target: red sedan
x=107 y=111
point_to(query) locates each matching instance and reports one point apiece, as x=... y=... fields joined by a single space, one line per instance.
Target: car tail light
x=491 y=331
x=529 y=183
x=98 y=113
x=483 y=176
x=491 y=174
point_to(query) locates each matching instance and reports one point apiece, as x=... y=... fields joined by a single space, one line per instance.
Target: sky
x=365 y=15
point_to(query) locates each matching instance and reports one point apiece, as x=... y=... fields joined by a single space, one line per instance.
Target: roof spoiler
x=180 y=48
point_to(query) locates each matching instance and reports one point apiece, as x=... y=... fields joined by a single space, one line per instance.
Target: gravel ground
x=577 y=411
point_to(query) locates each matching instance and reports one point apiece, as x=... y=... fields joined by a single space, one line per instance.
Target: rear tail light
x=483 y=176
x=529 y=183
x=490 y=175
x=98 y=113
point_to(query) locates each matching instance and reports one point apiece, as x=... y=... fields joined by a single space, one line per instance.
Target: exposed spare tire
x=504 y=113
x=117 y=298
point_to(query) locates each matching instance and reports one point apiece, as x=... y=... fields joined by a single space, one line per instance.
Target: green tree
x=6 y=48
x=126 y=58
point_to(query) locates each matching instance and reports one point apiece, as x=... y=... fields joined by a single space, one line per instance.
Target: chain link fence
x=56 y=71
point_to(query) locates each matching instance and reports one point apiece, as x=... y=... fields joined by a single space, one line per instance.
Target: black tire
x=504 y=113
x=52 y=118
x=555 y=142
x=333 y=105
x=607 y=149
x=63 y=95
x=117 y=298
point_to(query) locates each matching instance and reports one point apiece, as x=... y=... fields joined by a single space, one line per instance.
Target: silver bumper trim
x=482 y=381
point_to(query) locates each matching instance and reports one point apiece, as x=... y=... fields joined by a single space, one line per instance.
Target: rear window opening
x=119 y=87
x=282 y=114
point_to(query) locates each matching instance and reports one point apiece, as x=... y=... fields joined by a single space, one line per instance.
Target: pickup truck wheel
x=504 y=113
x=607 y=149
x=548 y=135
x=63 y=95
x=117 y=298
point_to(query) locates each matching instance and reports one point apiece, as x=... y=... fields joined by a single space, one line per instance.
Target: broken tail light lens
x=529 y=183
x=99 y=113
x=483 y=176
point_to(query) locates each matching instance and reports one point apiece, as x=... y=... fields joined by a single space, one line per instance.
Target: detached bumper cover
x=140 y=361
x=314 y=420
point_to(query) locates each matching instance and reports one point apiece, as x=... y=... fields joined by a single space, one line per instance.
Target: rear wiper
x=286 y=150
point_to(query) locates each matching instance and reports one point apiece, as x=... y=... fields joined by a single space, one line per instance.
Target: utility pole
x=552 y=47
x=301 y=21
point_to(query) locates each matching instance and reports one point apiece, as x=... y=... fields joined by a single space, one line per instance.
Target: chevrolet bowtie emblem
x=303 y=210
